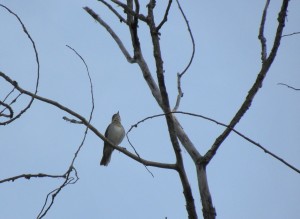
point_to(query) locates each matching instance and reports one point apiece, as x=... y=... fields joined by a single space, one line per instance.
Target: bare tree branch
x=245 y=137
x=11 y=112
x=111 y=32
x=11 y=103
x=55 y=192
x=128 y=10
x=180 y=93
x=29 y=176
x=114 y=11
x=290 y=34
x=38 y=67
x=261 y=36
x=159 y=92
x=191 y=36
x=179 y=75
x=281 y=23
x=164 y=20
x=288 y=86
x=69 y=179
x=256 y=86
x=74 y=121
x=135 y=151
x=224 y=125
x=190 y=205
x=86 y=123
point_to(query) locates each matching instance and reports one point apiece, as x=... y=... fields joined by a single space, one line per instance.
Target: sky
x=244 y=181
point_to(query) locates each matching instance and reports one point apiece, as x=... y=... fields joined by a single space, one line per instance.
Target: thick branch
x=256 y=86
x=190 y=205
x=139 y=59
x=208 y=210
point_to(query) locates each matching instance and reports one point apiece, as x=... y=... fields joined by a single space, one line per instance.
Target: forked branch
x=257 y=84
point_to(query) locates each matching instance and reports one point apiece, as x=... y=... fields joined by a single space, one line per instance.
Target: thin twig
x=192 y=39
x=137 y=154
x=55 y=192
x=165 y=19
x=11 y=112
x=290 y=34
x=7 y=105
x=29 y=176
x=128 y=10
x=9 y=94
x=289 y=86
x=111 y=32
x=261 y=36
x=74 y=121
x=180 y=93
x=114 y=11
x=70 y=180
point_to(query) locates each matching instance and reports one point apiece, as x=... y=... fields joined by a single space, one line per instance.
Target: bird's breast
x=116 y=134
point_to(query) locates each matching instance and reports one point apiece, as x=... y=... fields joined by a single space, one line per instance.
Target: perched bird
x=115 y=133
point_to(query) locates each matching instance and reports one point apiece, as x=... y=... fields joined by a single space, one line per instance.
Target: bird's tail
x=106 y=156
x=105 y=161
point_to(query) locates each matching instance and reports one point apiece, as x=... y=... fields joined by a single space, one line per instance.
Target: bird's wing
x=106 y=132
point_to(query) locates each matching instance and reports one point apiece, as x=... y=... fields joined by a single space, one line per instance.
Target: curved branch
x=11 y=112
x=68 y=178
x=38 y=67
x=179 y=75
x=192 y=39
x=224 y=125
x=55 y=192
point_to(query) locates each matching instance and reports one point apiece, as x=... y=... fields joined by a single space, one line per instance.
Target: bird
x=115 y=132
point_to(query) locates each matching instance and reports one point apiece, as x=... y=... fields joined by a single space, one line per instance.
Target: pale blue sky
x=244 y=181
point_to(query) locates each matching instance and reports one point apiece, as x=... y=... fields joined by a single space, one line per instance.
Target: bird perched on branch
x=115 y=133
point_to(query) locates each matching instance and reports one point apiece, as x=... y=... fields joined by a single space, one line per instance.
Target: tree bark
x=208 y=209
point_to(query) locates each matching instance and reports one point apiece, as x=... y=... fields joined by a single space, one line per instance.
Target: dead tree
x=179 y=139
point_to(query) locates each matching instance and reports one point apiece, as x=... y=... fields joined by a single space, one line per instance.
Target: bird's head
x=116 y=117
